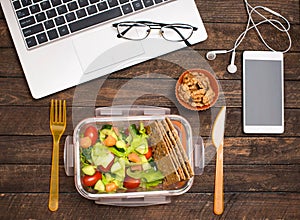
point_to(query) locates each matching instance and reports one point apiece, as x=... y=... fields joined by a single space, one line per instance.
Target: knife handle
x=219 y=196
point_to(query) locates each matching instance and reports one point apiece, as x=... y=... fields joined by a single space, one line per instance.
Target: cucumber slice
x=115 y=167
x=142 y=149
x=89 y=170
x=99 y=186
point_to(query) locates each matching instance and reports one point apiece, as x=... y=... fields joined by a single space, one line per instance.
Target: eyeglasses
x=141 y=29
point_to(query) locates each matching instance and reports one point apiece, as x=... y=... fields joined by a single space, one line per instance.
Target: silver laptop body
x=96 y=51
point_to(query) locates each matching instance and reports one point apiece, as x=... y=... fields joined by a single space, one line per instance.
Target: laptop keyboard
x=43 y=21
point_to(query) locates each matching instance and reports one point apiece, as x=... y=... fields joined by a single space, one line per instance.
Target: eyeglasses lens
x=178 y=32
x=133 y=31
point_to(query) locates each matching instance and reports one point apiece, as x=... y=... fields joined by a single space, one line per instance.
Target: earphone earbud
x=211 y=55
x=231 y=68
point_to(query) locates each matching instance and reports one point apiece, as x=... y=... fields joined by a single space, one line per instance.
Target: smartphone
x=263 y=92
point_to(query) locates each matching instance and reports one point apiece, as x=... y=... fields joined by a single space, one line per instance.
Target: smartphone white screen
x=263 y=94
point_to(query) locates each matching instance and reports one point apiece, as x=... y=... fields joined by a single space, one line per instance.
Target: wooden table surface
x=261 y=172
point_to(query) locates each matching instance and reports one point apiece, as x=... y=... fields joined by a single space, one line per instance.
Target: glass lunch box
x=123 y=116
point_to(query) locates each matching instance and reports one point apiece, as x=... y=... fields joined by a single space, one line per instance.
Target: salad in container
x=133 y=160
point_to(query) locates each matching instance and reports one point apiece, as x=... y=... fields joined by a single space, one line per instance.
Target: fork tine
x=64 y=112
x=60 y=111
x=52 y=111
x=56 y=111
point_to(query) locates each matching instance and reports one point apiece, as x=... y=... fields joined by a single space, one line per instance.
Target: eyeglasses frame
x=155 y=25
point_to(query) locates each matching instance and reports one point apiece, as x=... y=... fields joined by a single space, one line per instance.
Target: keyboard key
x=52 y=34
x=61 y=9
x=63 y=30
x=45 y=5
x=91 y=9
x=33 y=30
x=39 y=22
x=70 y=16
x=27 y=21
x=49 y=24
x=112 y=3
x=42 y=38
x=137 y=5
x=148 y=3
x=26 y=2
x=81 y=13
x=72 y=6
x=83 y=3
x=35 y=9
x=31 y=42
x=40 y=17
x=56 y=2
x=23 y=13
x=102 y=6
x=95 y=19
x=59 y=20
x=51 y=13
x=17 y=5
x=127 y=9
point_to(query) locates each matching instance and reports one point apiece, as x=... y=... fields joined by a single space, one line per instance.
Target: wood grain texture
x=105 y=92
x=18 y=121
x=187 y=206
x=261 y=172
x=36 y=150
x=237 y=178
x=222 y=11
x=11 y=68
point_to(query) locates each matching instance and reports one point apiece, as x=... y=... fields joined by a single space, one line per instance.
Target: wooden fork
x=57 y=126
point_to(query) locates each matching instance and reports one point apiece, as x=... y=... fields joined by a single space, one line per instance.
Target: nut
x=196 y=90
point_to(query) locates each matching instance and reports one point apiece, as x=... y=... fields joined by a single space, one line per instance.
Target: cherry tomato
x=91 y=180
x=111 y=187
x=133 y=157
x=149 y=153
x=131 y=183
x=85 y=142
x=109 y=141
x=92 y=133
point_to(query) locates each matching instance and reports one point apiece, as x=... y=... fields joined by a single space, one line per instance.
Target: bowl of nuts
x=197 y=89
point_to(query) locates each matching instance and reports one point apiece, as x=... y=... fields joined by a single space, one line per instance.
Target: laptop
x=62 y=43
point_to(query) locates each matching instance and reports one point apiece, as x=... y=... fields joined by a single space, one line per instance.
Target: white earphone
x=232 y=68
x=211 y=55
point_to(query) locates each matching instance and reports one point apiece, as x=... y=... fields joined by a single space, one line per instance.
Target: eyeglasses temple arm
x=124 y=32
x=182 y=37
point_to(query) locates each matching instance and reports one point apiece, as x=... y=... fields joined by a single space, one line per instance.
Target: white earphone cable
x=274 y=22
